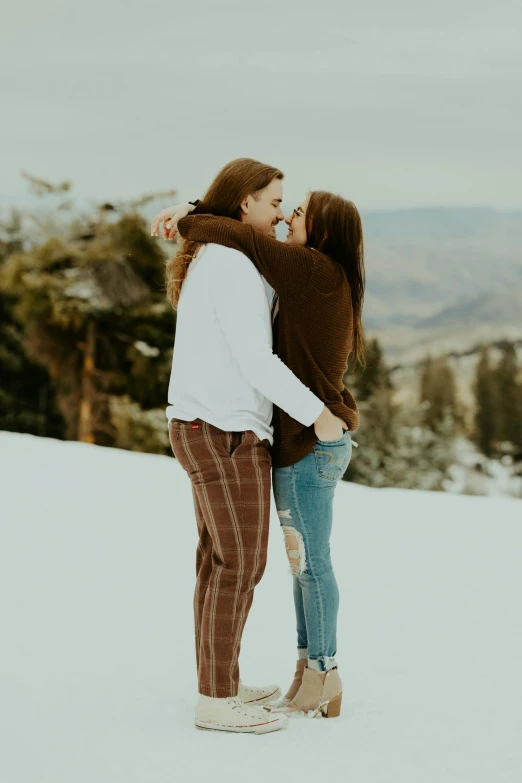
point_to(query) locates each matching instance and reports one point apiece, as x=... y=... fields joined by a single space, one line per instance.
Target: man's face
x=264 y=211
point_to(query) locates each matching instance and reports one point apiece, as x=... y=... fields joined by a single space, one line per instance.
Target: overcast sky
x=392 y=104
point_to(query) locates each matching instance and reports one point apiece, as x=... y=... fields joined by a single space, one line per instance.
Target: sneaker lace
x=245 y=709
x=236 y=703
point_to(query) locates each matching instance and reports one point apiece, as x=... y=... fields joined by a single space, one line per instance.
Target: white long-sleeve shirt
x=223 y=368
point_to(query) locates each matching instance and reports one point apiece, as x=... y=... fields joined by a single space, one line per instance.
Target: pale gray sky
x=393 y=104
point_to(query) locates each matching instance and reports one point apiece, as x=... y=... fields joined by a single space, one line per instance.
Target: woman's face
x=296 y=223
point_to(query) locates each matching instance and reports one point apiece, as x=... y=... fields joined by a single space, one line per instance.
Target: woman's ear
x=244 y=206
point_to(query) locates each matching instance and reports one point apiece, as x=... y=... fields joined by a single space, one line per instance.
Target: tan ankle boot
x=298 y=678
x=320 y=692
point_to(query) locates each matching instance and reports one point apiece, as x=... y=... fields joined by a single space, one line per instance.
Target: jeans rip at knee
x=295 y=548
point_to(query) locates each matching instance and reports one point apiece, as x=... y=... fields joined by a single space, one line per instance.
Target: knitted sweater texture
x=313 y=330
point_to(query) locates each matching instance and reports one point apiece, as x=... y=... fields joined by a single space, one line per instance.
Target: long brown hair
x=334 y=227
x=237 y=180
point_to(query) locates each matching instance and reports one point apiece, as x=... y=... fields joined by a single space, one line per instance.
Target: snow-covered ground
x=97 y=680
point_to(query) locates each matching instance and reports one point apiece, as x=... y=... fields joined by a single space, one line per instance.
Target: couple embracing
x=263 y=334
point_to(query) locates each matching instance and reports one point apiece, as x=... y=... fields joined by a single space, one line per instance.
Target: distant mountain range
x=440 y=279
x=437 y=278
x=497 y=308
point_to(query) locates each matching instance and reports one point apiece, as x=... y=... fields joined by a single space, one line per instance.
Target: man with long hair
x=224 y=381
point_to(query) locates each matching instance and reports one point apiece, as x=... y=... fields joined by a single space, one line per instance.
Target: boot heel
x=333 y=708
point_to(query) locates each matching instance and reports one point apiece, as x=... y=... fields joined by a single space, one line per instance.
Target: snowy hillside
x=97 y=680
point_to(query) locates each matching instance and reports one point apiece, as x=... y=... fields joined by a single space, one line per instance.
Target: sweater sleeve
x=287 y=268
x=249 y=338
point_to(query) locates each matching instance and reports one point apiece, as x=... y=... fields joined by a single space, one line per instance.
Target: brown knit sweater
x=313 y=331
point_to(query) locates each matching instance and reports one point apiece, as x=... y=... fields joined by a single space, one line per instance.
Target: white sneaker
x=258 y=696
x=232 y=714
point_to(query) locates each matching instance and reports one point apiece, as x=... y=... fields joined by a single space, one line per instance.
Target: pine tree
x=374 y=375
x=397 y=449
x=396 y=446
x=438 y=392
x=509 y=397
x=486 y=418
x=27 y=402
x=91 y=304
x=376 y=439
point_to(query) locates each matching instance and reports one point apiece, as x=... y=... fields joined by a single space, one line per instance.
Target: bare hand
x=329 y=427
x=170 y=217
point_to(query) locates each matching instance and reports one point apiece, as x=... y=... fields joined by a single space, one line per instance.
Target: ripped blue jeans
x=304 y=495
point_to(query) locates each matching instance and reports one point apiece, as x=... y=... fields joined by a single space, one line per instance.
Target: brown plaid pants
x=230 y=476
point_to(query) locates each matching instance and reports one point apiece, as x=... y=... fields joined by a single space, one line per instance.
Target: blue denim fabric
x=304 y=499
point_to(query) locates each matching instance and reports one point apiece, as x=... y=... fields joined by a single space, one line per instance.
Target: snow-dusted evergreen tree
x=372 y=376
x=396 y=448
x=27 y=401
x=509 y=399
x=486 y=410
x=89 y=297
x=423 y=454
x=438 y=391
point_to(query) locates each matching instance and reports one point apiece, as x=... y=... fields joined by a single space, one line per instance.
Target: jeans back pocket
x=333 y=457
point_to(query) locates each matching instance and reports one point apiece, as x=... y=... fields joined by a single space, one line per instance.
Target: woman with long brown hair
x=319 y=279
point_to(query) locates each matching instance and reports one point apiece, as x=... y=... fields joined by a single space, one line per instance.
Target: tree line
x=86 y=339
x=412 y=444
